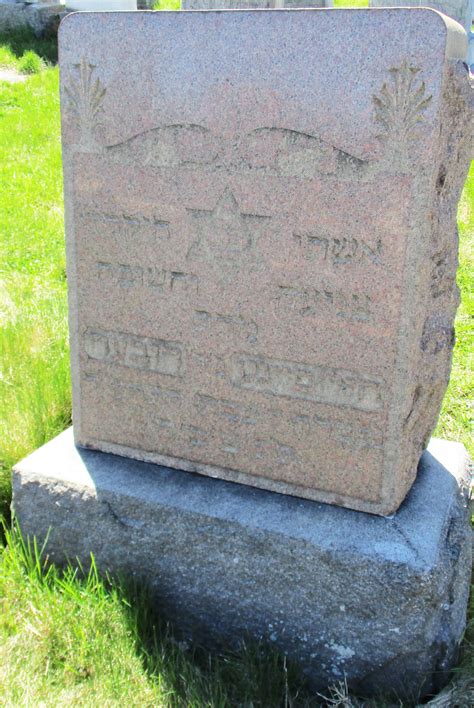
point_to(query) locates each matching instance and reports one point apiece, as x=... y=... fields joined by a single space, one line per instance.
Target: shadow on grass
x=255 y=675
x=22 y=40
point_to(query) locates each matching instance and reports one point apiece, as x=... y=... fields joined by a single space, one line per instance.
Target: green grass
x=351 y=3
x=30 y=63
x=34 y=368
x=457 y=414
x=14 y=45
x=167 y=5
x=71 y=638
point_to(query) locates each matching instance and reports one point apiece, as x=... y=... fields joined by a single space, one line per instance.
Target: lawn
x=75 y=639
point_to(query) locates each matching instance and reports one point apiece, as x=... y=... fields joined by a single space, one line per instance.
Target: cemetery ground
x=71 y=637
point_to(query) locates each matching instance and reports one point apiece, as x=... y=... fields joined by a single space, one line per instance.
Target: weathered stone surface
x=381 y=601
x=262 y=243
x=460 y=10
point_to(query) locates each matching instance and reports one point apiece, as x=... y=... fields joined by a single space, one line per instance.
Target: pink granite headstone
x=261 y=234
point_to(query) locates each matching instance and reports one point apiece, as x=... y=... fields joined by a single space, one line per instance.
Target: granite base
x=379 y=601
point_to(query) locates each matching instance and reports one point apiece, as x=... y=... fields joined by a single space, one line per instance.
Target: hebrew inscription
x=161 y=228
x=339 y=250
x=128 y=350
x=337 y=387
x=349 y=435
x=261 y=254
x=231 y=324
x=325 y=299
x=157 y=279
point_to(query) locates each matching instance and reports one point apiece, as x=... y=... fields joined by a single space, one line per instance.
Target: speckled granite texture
x=261 y=237
x=381 y=601
x=459 y=10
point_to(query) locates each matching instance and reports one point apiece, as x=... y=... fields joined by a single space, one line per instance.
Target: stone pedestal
x=380 y=601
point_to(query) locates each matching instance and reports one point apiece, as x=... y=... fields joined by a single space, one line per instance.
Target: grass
x=71 y=637
x=167 y=5
x=34 y=374
x=457 y=414
x=351 y=3
x=14 y=45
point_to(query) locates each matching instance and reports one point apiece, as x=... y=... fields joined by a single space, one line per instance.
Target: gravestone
x=460 y=10
x=262 y=268
x=261 y=238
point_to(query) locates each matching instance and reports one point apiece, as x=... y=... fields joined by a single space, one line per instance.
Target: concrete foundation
x=380 y=601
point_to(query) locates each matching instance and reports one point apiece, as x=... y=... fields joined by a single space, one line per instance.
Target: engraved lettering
x=104 y=270
x=156 y=278
x=338 y=251
x=210 y=362
x=160 y=281
x=318 y=242
x=198 y=435
x=285 y=453
x=372 y=254
x=233 y=324
x=270 y=150
x=274 y=451
x=313 y=301
x=160 y=228
x=164 y=423
x=136 y=352
x=291 y=153
x=185 y=282
x=184 y=145
x=122 y=387
x=231 y=411
x=230 y=449
x=337 y=387
x=349 y=435
x=128 y=276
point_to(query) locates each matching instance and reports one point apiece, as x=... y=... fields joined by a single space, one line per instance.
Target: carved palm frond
x=86 y=95
x=401 y=103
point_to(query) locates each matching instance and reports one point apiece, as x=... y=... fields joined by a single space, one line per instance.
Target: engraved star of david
x=226 y=235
